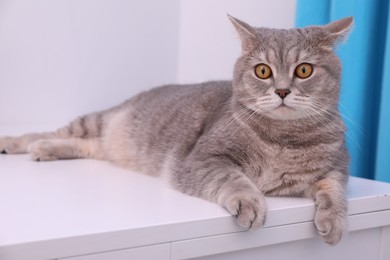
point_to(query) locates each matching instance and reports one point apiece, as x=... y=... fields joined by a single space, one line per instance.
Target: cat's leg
x=224 y=183
x=243 y=200
x=18 y=145
x=331 y=207
x=70 y=148
x=88 y=126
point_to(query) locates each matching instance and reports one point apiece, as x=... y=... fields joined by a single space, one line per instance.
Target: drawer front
x=154 y=252
x=222 y=244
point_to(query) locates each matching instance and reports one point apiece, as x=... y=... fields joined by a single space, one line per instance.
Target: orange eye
x=263 y=71
x=304 y=70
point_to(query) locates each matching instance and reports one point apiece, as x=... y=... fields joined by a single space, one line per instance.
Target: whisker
x=344 y=107
x=247 y=119
x=348 y=134
x=358 y=127
x=327 y=123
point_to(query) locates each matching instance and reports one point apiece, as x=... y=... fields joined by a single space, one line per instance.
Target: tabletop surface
x=77 y=200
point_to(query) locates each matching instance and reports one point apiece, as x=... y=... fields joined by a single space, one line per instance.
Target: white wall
x=63 y=58
x=60 y=59
x=209 y=44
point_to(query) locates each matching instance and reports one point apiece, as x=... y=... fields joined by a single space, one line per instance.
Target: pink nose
x=283 y=92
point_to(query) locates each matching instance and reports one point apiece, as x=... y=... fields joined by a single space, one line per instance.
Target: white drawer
x=154 y=252
x=368 y=238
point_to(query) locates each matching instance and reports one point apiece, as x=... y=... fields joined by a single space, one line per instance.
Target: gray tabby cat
x=275 y=130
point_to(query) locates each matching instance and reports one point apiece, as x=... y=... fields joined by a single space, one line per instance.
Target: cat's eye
x=263 y=71
x=304 y=70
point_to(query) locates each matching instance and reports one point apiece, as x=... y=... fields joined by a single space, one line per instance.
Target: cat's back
x=188 y=94
x=180 y=107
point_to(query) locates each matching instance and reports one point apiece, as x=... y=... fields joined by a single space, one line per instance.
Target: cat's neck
x=299 y=132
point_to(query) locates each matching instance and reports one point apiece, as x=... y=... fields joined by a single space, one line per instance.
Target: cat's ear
x=246 y=32
x=339 y=29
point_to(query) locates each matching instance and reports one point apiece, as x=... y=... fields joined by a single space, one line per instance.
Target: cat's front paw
x=331 y=223
x=249 y=210
x=11 y=145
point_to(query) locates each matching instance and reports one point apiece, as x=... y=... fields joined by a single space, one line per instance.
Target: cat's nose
x=282 y=92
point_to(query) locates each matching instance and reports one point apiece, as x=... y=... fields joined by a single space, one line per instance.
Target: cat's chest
x=284 y=171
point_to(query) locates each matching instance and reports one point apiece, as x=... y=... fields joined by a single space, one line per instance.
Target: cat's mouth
x=284 y=106
x=286 y=112
x=283 y=111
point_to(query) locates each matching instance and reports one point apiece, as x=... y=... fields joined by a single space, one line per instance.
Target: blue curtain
x=365 y=85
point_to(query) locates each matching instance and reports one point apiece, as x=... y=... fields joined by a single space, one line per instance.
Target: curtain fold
x=382 y=170
x=365 y=84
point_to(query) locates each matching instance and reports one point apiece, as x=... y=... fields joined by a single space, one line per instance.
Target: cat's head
x=289 y=74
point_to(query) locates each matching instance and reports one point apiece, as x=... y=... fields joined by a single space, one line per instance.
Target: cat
x=274 y=130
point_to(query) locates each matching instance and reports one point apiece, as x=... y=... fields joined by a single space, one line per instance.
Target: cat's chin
x=284 y=112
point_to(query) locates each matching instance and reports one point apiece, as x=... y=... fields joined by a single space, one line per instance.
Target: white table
x=92 y=210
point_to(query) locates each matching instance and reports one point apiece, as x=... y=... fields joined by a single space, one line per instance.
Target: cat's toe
x=330 y=225
x=249 y=212
x=40 y=151
x=39 y=156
